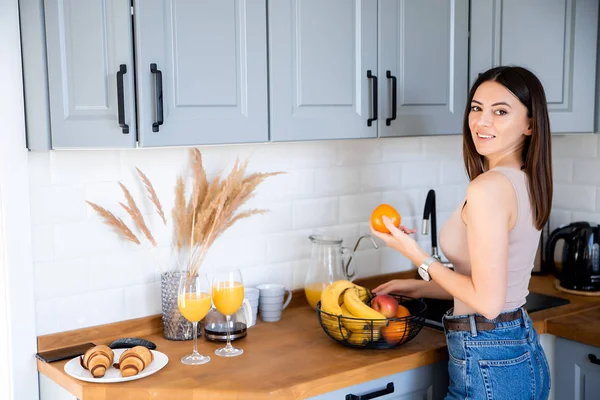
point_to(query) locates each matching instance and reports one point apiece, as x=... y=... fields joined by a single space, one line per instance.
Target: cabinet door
x=577 y=377
x=90 y=53
x=320 y=53
x=555 y=39
x=201 y=71
x=423 y=46
x=429 y=382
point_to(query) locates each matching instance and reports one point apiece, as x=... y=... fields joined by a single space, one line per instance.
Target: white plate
x=113 y=375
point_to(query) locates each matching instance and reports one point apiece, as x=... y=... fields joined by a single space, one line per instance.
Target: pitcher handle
x=350 y=254
x=247 y=310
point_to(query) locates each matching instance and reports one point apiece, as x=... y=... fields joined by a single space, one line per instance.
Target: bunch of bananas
x=347 y=316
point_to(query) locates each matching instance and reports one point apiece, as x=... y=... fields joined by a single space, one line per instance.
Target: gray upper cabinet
x=556 y=39
x=90 y=65
x=201 y=71
x=423 y=55
x=320 y=53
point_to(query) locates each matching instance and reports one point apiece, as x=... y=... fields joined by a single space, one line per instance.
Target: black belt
x=481 y=323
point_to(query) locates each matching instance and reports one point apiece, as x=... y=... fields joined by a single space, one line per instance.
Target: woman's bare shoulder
x=491 y=186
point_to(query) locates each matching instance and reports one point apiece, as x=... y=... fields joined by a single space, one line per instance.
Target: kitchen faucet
x=430 y=212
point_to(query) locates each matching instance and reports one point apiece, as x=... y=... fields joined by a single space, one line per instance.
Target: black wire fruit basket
x=364 y=333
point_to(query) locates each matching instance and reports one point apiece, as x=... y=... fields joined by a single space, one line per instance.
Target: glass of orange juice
x=228 y=296
x=194 y=301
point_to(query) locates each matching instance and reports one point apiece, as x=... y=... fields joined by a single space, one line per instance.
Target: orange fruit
x=395 y=332
x=388 y=211
x=402 y=312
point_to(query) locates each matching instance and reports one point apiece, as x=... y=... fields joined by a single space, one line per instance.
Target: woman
x=491 y=239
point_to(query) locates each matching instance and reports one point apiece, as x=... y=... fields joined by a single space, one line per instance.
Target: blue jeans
x=506 y=362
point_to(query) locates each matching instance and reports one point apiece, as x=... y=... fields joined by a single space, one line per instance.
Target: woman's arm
x=433 y=290
x=490 y=201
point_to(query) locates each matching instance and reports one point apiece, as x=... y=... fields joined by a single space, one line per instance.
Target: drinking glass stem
x=195 y=333
x=229 y=346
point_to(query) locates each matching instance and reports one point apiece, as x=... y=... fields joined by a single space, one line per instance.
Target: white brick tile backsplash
x=288 y=246
x=337 y=181
x=442 y=147
x=453 y=172
x=56 y=204
x=366 y=263
x=315 y=213
x=380 y=177
x=421 y=174
x=329 y=188
x=39 y=168
x=91 y=237
x=61 y=278
x=121 y=269
x=559 y=218
x=72 y=167
x=399 y=150
x=42 y=242
x=359 y=152
x=586 y=216
x=586 y=172
x=392 y=261
x=408 y=202
x=358 y=208
x=296 y=184
x=142 y=300
x=562 y=170
x=574 y=197
x=575 y=146
x=314 y=154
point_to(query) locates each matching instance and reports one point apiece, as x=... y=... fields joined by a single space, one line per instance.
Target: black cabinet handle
x=158 y=98
x=388 y=389
x=388 y=74
x=374 y=78
x=121 y=98
x=593 y=359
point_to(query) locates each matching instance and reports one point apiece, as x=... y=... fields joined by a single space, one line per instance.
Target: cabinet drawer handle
x=121 y=98
x=158 y=99
x=374 y=80
x=388 y=389
x=388 y=74
x=593 y=359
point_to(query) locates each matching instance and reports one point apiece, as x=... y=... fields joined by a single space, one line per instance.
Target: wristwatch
x=424 y=268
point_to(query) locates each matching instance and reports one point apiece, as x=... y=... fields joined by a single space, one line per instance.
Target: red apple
x=385 y=304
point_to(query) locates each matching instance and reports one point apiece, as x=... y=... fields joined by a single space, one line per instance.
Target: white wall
x=18 y=373
x=331 y=186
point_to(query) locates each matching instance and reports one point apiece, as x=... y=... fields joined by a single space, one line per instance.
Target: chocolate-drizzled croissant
x=134 y=360
x=97 y=360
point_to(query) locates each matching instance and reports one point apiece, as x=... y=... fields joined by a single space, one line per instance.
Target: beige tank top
x=523 y=242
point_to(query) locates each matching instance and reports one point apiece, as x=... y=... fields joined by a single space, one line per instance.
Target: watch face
x=424 y=274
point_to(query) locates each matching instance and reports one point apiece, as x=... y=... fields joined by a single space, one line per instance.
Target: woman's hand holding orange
x=399 y=240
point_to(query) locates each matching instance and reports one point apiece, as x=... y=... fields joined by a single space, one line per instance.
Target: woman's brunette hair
x=537 y=149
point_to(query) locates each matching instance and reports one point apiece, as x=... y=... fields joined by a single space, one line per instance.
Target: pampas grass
x=198 y=220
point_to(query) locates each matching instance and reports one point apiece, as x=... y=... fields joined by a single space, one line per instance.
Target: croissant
x=97 y=360
x=134 y=360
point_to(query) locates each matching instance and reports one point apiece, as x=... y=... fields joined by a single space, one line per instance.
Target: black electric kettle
x=579 y=267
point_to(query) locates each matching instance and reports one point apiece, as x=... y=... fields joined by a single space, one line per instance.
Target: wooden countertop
x=288 y=359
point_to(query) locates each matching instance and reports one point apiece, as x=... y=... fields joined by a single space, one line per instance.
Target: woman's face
x=498 y=121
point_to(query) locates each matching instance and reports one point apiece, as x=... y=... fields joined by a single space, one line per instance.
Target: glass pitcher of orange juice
x=329 y=262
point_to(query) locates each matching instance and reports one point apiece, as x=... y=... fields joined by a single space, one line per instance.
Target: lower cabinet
x=425 y=383
x=577 y=374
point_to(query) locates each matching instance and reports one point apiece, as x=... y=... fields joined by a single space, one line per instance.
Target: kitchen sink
x=534 y=302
